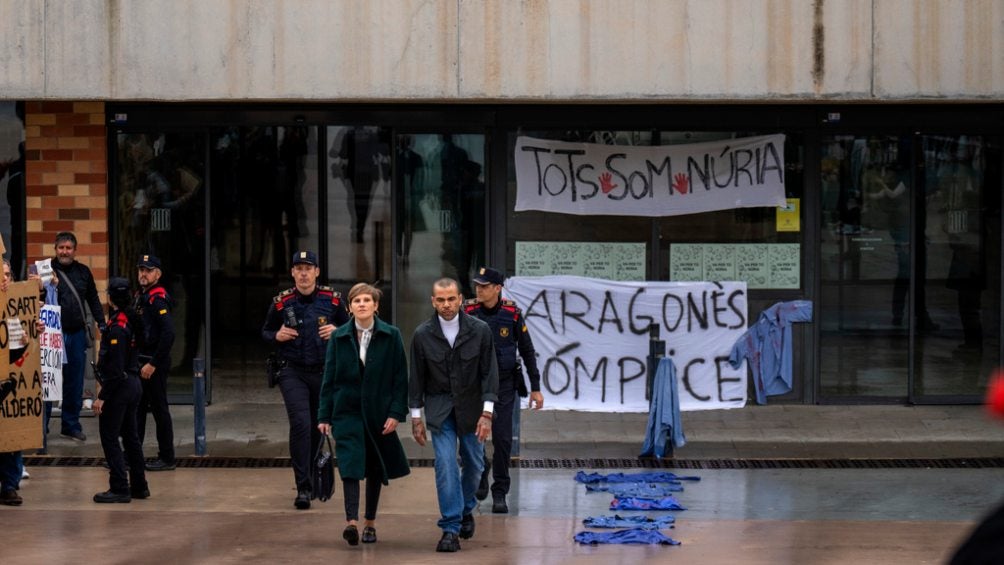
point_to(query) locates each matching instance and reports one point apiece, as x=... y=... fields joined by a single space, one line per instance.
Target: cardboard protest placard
x=21 y=407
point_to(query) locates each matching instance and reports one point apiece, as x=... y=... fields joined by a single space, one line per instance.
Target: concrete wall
x=509 y=50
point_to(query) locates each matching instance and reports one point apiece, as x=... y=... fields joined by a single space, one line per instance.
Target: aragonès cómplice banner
x=663 y=180
x=592 y=339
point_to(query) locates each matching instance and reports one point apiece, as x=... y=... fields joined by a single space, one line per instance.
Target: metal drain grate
x=585 y=463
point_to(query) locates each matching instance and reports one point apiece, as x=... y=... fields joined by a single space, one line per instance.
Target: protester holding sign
x=77 y=293
x=511 y=336
x=118 y=400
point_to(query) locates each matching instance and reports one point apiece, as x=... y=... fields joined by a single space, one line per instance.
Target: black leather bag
x=323 y=480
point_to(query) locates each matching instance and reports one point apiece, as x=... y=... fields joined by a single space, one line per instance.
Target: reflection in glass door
x=440 y=188
x=264 y=198
x=910 y=261
x=160 y=210
x=960 y=209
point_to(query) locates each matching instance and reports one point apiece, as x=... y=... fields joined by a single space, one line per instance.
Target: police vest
x=504 y=329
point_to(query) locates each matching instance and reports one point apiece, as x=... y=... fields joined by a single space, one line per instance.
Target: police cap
x=148 y=261
x=488 y=275
x=305 y=257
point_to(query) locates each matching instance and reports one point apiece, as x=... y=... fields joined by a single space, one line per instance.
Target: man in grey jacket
x=454 y=376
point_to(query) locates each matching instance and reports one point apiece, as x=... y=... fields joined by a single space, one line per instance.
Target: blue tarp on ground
x=618 y=521
x=648 y=537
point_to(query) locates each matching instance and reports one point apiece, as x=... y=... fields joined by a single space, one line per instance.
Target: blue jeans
x=456 y=486
x=73 y=380
x=10 y=471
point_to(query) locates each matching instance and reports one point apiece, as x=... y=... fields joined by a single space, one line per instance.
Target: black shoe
x=369 y=534
x=160 y=465
x=448 y=543
x=141 y=494
x=302 y=501
x=10 y=497
x=467 y=526
x=351 y=534
x=77 y=435
x=109 y=496
x=499 y=506
x=482 y=492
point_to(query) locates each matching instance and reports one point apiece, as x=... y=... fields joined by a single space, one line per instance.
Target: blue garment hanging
x=664 y=423
x=638 y=536
x=643 y=490
x=634 y=503
x=767 y=346
x=643 y=477
x=618 y=521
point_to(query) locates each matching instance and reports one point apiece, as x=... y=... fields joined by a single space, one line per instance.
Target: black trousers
x=118 y=419
x=154 y=401
x=502 y=434
x=301 y=392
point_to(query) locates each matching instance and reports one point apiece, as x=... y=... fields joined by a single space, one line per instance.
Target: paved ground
x=775 y=431
x=780 y=516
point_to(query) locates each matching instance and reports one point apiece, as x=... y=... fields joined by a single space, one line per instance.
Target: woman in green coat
x=364 y=396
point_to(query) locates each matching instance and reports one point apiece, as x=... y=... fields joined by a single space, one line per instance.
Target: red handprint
x=680 y=183
x=605 y=185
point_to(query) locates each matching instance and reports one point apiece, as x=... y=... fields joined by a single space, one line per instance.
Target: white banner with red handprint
x=591 y=338
x=665 y=180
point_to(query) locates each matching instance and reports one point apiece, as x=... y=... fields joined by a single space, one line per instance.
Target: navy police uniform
x=302 y=364
x=118 y=374
x=154 y=308
x=511 y=337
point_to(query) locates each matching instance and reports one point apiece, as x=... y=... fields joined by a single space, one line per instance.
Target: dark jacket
x=117 y=360
x=154 y=308
x=511 y=335
x=308 y=349
x=71 y=314
x=357 y=400
x=461 y=378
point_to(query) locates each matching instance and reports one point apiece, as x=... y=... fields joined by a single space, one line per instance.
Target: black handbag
x=324 y=471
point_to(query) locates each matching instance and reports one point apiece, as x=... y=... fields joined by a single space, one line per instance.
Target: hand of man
x=484 y=428
x=147 y=371
x=286 y=333
x=96 y=407
x=536 y=400
x=325 y=331
x=324 y=428
x=389 y=426
x=418 y=431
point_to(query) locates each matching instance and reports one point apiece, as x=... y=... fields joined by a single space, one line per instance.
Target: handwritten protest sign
x=664 y=180
x=21 y=406
x=51 y=344
x=591 y=337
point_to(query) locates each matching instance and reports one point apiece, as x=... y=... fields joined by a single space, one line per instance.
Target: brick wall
x=67 y=180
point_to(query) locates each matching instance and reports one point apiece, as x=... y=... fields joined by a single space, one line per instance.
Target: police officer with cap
x=118 y=399
x=154 y=308
x=299 y=322
x=510 y=333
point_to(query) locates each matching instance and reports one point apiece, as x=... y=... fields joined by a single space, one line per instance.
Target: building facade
x=223 y=135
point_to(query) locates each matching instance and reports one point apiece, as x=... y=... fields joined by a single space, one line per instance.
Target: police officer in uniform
x=156 y=339
x=118 y=399
x=299 y=322
x=509 y=329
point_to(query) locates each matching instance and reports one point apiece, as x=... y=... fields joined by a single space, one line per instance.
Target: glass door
x=264 y=200
x=439 y=182
x=160 y=209
x=910 y=266
x=959 y=179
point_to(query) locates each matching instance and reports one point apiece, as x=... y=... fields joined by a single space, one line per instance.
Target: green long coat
x=357 y=405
